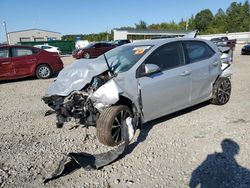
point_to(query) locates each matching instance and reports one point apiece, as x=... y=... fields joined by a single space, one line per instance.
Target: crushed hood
x=75 y=76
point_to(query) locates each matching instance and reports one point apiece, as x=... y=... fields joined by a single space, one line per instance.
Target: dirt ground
x=164 y=153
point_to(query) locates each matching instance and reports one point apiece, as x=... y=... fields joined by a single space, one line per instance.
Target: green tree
x=182 y=25
x=154 y=27
x=246 y=16
x=191 y=23
x=234 y=17
x=203 y=20
x=141 y=25
x=218 y=25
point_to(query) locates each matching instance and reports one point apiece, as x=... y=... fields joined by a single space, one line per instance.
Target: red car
x=92 y=50
x=24 y=61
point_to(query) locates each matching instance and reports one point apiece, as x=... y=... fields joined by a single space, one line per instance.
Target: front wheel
x=221 y=91
x=109 y=124
x=43 y=71
x=86 y=55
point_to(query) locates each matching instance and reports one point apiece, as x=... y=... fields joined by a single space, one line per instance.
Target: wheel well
x=125 y=101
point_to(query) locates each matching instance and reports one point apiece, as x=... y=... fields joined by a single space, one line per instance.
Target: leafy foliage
x=235 y=19
x=141 y=25
x=203 y=20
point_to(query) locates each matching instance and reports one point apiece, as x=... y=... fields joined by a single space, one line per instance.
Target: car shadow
x=221 y=169
x=145 y=128
x=24 y=79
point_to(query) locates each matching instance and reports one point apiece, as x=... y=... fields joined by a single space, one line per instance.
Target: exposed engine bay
x=79 y=105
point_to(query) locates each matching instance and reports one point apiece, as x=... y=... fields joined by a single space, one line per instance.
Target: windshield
x=122 y=58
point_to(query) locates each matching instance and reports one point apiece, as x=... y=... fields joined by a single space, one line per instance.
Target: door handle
x=185 y=73
x=5 y=63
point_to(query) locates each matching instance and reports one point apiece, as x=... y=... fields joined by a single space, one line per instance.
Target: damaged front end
x=81 y=105
x=98 y=92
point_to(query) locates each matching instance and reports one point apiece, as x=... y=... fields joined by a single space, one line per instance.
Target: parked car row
x=19 y=61
x=93 y=50
x=245 y=50
x=224 y=42
x=24 y=61
x=49 y=48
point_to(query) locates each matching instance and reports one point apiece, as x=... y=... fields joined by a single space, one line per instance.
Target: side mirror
x=151 y=68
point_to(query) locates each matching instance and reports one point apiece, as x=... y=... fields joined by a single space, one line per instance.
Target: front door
x=6 y=66
x=168 y=90
x=97 y=51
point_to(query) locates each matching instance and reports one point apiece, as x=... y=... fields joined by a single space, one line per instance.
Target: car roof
x=102 y=42
x=159 y=42
x=43 y=45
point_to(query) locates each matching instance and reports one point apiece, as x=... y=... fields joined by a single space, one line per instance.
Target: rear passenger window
x=97 y=45
x=4 y=52
x=168 y=56
x=46 y=47
x=36 y=50
x=106 y=45
x=198 y=51
x=17 y=52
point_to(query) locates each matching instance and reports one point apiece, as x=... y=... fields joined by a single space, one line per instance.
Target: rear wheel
x=43 y=71
x=221 y=91
x=109 y=124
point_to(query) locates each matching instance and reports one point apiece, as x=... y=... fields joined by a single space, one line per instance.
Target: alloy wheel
x=224 y=91
x=117 y=125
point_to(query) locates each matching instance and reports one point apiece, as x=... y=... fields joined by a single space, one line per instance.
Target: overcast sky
x=93 y=16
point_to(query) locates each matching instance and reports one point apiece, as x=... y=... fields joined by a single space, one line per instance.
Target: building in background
x=33 y=35
x=137 y=34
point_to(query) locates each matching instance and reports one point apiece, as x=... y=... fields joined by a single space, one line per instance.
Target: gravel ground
x=164 y=153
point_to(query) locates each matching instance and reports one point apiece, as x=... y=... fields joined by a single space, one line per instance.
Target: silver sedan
x=139 y=82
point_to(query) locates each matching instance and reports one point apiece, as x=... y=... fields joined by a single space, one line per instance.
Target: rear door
x=168 y=90
x=24 y=60
x=97 y=50
x=106 y=47
x=6 y=66
x=205 y=65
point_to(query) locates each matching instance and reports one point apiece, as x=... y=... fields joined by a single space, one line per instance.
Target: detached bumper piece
x=74 y=161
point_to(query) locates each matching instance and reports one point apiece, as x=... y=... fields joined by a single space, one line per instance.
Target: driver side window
x=167 y=56
x=97 y=45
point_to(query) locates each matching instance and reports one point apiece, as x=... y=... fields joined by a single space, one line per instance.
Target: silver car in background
x=143 y=80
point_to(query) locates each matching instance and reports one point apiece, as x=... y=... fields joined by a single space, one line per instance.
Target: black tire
x=109 y=124
x=43 y=71
x=221 y=91
x=86 y=55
